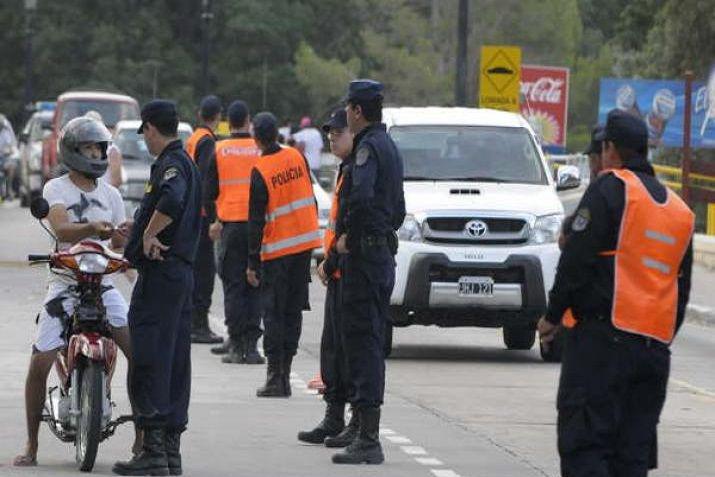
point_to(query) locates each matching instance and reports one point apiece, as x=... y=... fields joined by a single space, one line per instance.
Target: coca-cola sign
x=544 y=101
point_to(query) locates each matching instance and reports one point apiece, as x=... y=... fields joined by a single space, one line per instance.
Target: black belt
x=373 y=241
x=620 y=334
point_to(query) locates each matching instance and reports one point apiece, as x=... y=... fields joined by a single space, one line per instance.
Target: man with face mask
x=81 y=207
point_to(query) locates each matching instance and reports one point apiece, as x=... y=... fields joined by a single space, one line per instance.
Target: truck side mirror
x=567 y=177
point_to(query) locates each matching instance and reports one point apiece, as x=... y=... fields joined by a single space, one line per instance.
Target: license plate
x=476 y=286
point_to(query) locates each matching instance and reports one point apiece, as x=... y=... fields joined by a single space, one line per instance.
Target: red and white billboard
x=544 y=101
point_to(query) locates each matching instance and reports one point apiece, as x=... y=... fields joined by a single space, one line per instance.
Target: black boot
x=275 y=386
x=252 y=354
x=366 y=448
x=287 y=364
x=173 y=454
x=348 y=434
x=236 y=352
x=331 y=425
x=152 y=459
x=200 y=331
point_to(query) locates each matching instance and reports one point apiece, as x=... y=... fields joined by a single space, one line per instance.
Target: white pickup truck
x=479 y=244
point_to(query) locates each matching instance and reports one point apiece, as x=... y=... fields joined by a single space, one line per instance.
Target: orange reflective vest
x=292 y=214
x=329 y=237
x=235 y=159
x=193 y=141
x=651 y=244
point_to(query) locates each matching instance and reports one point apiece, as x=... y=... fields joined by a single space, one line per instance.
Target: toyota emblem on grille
x=476 y=229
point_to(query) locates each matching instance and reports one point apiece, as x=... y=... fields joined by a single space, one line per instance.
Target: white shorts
x=49 y=328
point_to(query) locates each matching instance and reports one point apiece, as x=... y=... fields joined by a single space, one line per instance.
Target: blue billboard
x=661 y=104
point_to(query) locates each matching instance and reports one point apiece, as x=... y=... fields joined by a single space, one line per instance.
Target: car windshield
x=112 y=111
x=133 y=146
x=469 y=153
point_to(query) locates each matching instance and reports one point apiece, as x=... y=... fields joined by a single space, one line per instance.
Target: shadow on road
x=461 y=353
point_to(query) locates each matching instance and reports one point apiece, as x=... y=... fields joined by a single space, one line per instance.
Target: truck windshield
x=469 y=153
x=112 y=111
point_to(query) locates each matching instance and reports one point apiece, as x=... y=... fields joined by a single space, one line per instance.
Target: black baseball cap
x=595 y=146
x=159 y=112
x=237 y=113
x=364 y=90
x=265 y=126
x=338 y=120
x=625 y=130
x=210 y=106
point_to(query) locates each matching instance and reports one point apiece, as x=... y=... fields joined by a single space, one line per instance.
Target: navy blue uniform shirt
x=174 y=189
x=375 y=200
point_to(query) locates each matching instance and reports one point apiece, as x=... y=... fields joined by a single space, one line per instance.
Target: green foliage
x=295 y=56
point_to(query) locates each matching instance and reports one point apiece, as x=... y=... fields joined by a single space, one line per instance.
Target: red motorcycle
x=79 y=410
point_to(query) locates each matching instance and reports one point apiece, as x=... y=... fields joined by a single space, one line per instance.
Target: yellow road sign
x=500 y=77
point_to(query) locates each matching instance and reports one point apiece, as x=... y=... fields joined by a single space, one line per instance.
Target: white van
x=479 y=244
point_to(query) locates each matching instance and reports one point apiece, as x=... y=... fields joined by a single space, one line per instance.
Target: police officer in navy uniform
x=162 y=246
x=371 y=211
x=616 y=358
x=200 y=146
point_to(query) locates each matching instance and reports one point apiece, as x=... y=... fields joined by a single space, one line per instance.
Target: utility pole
x=206 y=17
x=460 y=85
x=30 y=7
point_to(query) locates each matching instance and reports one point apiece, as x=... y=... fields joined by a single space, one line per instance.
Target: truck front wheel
x=519 y=337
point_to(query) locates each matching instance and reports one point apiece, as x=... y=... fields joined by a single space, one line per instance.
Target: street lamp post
x=30 y=7
x=206 y=17
x=460 y=86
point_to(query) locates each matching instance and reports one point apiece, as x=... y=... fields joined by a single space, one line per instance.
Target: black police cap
x=237 y=113
x=338 y=120
x=158 y=112
x=595 y=146
x=625 y=130
x=210 y=106
x=265 y=126
x=364 y=90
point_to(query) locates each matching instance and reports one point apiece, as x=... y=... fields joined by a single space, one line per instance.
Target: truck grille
x=442 y=273
x=476 y=229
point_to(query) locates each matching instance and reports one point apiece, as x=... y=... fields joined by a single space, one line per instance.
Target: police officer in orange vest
x=333 y=363
x=200 y=147
x=282 y=232
x=227 y=184
x=625 y=274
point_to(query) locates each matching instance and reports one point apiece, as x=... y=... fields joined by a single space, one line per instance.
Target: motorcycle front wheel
x=90 y=419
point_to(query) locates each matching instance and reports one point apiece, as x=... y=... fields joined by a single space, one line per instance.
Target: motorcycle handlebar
x=38 y=258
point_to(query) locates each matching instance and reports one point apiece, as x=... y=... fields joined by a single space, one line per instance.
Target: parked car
x=136 y=160
x=478 y=246
x=36 y=130
x=113 y=108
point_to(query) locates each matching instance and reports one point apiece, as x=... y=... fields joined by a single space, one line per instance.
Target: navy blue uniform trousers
x=333 y=362
x=204 y=271
x=611 y=392
x=241 y=300
x=367 y=283
x=284 y=296
x=160 y=327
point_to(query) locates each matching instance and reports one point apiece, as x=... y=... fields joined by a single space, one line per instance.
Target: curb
x=700 y=315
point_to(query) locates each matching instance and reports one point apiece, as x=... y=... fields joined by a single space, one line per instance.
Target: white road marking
x=386 y=432
x=693 y=389
x=413 y=450
x=398 y=439
x=444 y=473
x=430 y=461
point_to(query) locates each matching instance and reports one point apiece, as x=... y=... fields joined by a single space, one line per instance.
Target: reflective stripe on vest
x=651 y=244
x=235 y=159
x=329 y=237
x=292 y=214
x=193 y=141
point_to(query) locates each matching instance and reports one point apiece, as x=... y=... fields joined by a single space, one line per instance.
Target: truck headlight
x=546 y=229
x=411 y=230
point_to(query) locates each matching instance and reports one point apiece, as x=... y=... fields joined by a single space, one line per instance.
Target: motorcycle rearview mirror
x=39 y=208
